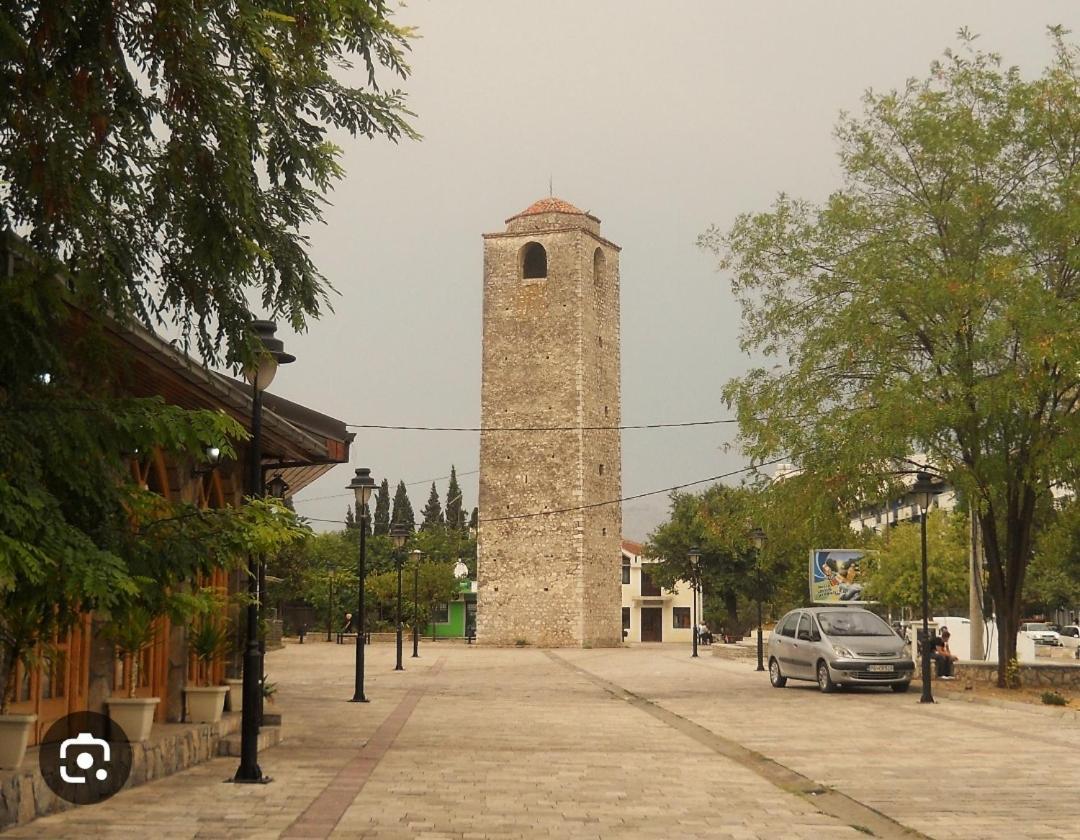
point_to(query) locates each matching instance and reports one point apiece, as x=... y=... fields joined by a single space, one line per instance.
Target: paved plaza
x=472 y=742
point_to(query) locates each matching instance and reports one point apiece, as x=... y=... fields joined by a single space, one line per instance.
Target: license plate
x=877 y=668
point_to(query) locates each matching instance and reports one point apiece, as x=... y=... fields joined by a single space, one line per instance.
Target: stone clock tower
x=549 y=551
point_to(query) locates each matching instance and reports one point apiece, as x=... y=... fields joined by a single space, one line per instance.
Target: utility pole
x=977 y=649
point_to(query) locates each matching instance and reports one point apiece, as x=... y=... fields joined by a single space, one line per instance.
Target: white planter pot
x=236 y=694
x=205 y=703
x=135 y=715
x=14 y=736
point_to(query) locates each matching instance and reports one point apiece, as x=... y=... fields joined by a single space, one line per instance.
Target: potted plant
x=208 y=639
x=131 y=631
x=19 y=645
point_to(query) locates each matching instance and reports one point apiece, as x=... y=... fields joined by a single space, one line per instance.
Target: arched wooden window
x=533 y=261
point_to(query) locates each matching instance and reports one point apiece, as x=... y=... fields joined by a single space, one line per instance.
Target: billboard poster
x=837 y=576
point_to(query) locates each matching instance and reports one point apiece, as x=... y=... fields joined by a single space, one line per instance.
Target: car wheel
x=777 y=679
x=900 y=688
x=824 y=679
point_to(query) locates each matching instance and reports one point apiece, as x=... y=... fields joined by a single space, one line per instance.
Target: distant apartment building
x=651 y=613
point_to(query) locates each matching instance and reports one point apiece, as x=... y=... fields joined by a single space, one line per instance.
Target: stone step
x=269 y=736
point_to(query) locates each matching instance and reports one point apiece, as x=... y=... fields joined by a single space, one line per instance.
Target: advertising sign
x=836 y=576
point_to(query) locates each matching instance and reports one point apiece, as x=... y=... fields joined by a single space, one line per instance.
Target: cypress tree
x=455 y=513
x=366 y=521
x=403 y=511
x=474 y=520
x=350 y=520
x=381 y=525
x=433 y=515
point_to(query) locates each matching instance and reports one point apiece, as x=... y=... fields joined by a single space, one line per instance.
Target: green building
x=456 y=619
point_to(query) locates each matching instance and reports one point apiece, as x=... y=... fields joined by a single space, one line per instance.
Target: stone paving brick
x=506 y=743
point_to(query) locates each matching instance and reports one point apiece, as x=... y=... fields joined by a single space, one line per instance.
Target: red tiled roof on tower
x=551 y=205
x=632 y=547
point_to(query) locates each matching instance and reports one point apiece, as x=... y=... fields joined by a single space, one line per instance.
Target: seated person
x=942 y=655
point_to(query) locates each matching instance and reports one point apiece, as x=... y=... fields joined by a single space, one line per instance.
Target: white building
x=650 y=613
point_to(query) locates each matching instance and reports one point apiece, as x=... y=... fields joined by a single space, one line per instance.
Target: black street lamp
x=924 y=490
x=416 y=555
x=276 y=488
x=757 y=537
x=259 y=375
x=399 y=533
x=694 y=556
x=362 y=485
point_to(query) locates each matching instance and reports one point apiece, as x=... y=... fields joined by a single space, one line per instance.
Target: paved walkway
x=643 y=742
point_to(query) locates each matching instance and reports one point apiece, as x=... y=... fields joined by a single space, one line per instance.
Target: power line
x=539 y=428
x=671 y=489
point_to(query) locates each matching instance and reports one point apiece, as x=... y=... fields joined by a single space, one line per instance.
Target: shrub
x=1052 y=698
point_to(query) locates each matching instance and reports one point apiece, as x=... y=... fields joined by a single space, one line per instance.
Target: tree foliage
x=894 y=566
x=432 y=513
x=159 y=162
x=403 y=509
x=188 y=142
x=455 y=510
x=381 y=520
x=930 y=304
x=717 y=522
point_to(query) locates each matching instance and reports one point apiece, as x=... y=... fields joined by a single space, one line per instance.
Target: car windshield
x=851 y=623
x=1038 y=627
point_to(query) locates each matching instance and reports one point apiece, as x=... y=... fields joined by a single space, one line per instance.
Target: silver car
x=838 y=646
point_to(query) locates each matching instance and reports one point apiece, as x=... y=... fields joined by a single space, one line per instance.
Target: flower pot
x=205 y=703
x=236 y=695
x=135 y=715
x=14 y=736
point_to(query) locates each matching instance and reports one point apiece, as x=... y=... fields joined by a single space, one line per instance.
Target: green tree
x=403 y=511
x=1053 y=580
x=329 y=576
x=350 y=520
x=796 y=517
x=717 y=522
x=432 y=513
x=174 y=197
x=172 y=156
x=894 y=566
x=929 y=305
x=474 y=519
x=455 y=511
x=381 y=520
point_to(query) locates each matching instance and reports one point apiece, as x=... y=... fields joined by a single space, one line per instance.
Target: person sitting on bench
x=939 y=651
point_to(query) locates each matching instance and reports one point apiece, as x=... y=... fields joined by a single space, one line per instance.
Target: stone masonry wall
x=548 y=580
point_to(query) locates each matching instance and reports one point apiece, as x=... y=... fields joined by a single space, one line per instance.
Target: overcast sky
x=660 y=118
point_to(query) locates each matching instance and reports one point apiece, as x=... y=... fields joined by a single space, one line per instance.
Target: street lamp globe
x=362 y=485
x=399 y=533
x=757 y=537
x=694 y=556
x=277 y=487
x=269 y=354
x=924 y=489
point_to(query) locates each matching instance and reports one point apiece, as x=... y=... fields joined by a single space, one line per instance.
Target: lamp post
x=416 y=555
x=924 y=490
x=259 y=375
x=362 y=485
x=694 y=556
x=399 y=533
x=757 y=537
x=276 y=488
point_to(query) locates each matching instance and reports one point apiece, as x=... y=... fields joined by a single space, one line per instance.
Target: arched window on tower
x=598 y=267
x=533 y=262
